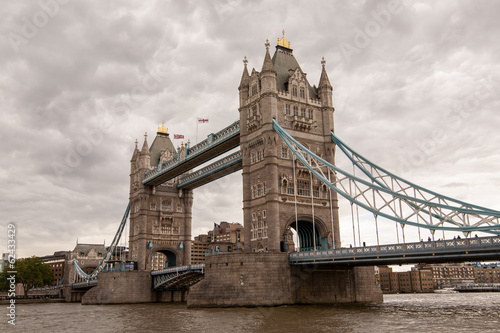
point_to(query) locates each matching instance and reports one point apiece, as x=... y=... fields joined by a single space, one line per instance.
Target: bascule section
x=281 y=199
x=160 y=216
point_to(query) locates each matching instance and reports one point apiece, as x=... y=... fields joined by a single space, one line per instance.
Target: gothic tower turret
x=278 y=196
x=145 y=154
x=160 y=216
x=244 y=84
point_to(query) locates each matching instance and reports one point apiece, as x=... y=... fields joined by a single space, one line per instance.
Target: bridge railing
x=432 y=246
x=178 y=269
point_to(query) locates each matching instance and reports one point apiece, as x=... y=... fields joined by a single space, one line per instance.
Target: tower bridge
x=287 y=151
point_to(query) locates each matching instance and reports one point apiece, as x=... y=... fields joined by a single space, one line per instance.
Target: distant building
x=414 y=281
x=158 y=261
x=487 y=273
x=57 y=263
x=88 y=257
x=427 y=277
x=449 y=275
x=4 y=262
x=200 y=247
x=405 y=285
x=225 y=237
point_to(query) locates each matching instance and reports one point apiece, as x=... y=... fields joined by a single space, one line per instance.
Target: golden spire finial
x=283 y=42
x=163 y=129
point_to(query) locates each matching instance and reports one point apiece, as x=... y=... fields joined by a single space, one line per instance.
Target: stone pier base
x=127 y=287
x=121 y=287
x=254 y=279
x=267 y=279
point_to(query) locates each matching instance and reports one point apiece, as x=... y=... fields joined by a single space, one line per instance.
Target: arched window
x=166 y=204
x=302 y=92
x=294 y=91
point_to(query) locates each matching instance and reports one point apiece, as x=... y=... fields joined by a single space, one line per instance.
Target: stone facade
x=246 y=279
x=282 y=92
x=267 y=279
x=121 y=287
x=160 y=217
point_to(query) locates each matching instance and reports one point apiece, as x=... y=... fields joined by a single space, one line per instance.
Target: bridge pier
x=253 y=279
x=267 y=279
x=327 y=285
x=121 y=287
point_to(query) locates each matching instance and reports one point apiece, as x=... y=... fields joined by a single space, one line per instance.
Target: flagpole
x=197 y=121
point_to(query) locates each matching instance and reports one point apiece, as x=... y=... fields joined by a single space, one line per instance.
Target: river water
x=472 y=312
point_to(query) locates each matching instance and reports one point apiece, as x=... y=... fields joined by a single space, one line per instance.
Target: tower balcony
x=253 y=122
x=302 y=123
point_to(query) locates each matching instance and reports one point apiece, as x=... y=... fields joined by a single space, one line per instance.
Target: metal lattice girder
x=178 y=277
x=216 y=170
x=109 y=252
x=401 y=205
x=215 y=145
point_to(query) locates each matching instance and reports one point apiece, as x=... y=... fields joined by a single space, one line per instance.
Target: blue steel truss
x=109 y=253
x=177 y=277
x=214 y=145
x=401 y=206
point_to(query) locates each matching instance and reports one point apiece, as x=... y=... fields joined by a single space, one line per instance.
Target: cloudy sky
x=415 y=90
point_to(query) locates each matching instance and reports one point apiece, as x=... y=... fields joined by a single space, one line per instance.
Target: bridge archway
x=308 y=233
x=167 y=257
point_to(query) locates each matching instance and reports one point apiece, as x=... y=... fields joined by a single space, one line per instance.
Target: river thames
x=472 y=312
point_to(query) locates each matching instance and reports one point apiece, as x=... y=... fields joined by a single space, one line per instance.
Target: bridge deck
x=454 y=250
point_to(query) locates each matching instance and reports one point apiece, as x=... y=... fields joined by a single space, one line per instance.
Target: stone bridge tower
x=160 y=217
x=271 y=191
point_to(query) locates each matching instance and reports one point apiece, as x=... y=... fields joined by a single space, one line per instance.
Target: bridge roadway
x=441 y=251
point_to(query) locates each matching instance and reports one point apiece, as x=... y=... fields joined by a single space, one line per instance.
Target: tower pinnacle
x=162 y=129
x=324 y=81
x=283 y=42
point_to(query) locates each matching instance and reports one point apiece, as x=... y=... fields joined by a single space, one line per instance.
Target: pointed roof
x=145 y=148
x=136 y=152
x=284 y=61
x=245 y=78
x=324 y=81
x=161 y=143
x=268 y=63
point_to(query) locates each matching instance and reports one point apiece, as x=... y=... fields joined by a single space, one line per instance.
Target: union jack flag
x=201 y=120
x=178 y=136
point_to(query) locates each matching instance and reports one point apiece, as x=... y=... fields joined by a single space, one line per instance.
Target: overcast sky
x=415 y=90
